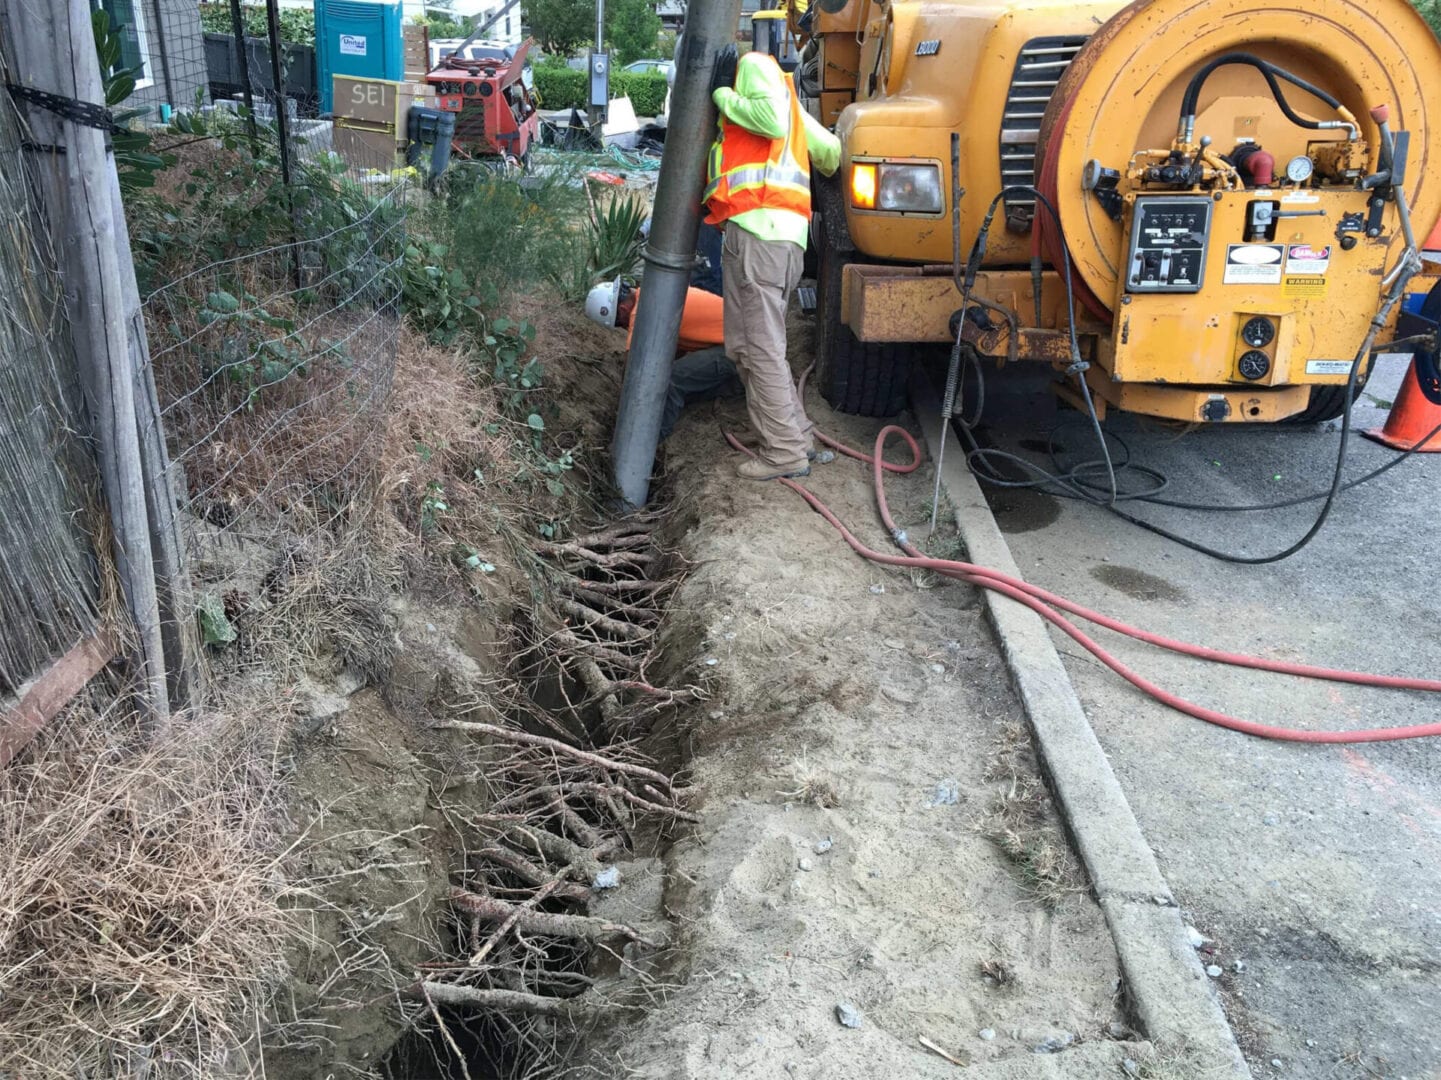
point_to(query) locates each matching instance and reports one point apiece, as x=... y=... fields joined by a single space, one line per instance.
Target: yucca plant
x=615 y=237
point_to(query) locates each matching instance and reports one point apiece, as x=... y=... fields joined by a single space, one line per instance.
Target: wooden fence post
x=50 y=50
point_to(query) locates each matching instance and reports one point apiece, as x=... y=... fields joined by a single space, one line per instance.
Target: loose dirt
x=849 y=765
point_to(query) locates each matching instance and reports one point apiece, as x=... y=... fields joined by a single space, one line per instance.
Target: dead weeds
x=141 y=926
x=813 y=787
x=1021 y=822
x=999 y=970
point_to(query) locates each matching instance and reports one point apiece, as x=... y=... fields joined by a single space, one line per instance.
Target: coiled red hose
x=1049 y=606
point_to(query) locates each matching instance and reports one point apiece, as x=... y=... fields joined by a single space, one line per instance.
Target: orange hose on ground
x=1045 y=604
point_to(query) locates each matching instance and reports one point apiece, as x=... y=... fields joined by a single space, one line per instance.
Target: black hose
x=1112 y=492
x=1270 y=72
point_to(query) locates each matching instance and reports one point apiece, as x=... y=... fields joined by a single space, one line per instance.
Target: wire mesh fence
x=269 y=256
x=49 y=570
x=273 y=351
x=271 y=269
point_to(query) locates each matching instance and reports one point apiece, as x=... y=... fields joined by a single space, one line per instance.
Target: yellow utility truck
x=1230 y=179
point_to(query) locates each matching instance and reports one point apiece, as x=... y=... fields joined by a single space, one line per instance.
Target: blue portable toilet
x=357 y=37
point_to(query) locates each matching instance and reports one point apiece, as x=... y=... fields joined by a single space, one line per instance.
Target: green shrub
x=561 y=87
x=632 y=29
x=297 y=25
x=566 y=88
x=646 y=91
x=507 y=236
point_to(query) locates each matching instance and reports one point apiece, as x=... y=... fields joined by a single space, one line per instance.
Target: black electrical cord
x=1078 y=365
x=1078 y=368
x=1069 y=480
x=1270 y=72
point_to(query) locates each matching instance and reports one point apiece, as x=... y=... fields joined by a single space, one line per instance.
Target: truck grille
x=1038 y=69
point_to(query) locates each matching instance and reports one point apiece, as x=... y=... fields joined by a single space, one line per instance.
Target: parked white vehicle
x=476 y=50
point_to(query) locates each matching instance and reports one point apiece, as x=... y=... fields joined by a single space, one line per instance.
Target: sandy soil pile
x=847 y=872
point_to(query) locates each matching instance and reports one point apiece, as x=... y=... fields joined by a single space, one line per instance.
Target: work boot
x=756 y=469
x=823 y=456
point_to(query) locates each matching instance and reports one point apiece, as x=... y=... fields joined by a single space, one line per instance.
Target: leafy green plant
x=555 y=468
x=436 y=297
x=216 y=629
x=632 y=27
x=235 y=203
x=432 y=505
x=256 y=348
x=565 y=88
x=467 y=556
x=561 y=87
x=507 y=342
x=646 y=90
x=509 y=235
x=443 y=25
x=560 y=26
x=135 y=164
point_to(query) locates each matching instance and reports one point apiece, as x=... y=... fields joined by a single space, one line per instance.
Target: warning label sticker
x=1305 y=259
x=1304 y=287
x=1328 y=367
x=1253 y=264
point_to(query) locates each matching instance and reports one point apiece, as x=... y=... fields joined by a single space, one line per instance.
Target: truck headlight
x=898 y=187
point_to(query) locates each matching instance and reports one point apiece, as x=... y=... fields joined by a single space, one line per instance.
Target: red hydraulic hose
x=1045 y=604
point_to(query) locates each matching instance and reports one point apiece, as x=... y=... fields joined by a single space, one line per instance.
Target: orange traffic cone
x=1413 y=418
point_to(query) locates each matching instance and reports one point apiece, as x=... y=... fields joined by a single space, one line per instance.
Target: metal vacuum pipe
x=670 y=253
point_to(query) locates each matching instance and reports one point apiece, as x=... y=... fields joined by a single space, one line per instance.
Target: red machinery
x=494 y=99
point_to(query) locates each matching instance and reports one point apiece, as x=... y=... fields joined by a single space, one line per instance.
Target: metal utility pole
x=670 y=254
x=55 y=74
x=599 y=68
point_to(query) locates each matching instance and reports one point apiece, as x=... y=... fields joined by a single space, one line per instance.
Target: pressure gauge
x=1299 y=169
x=1258 y=332
x=1254 y=364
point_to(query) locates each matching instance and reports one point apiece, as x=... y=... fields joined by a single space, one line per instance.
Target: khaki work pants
x=758 y=279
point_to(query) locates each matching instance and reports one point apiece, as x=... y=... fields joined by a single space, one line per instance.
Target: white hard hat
x=602 y=302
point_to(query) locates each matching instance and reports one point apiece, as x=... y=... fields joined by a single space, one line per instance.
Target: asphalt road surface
x=1315 y=870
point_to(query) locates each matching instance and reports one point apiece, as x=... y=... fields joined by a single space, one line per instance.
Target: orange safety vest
x=751 y=172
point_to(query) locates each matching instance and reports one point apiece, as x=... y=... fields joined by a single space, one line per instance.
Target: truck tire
x=1327 y=402
x=858 y=377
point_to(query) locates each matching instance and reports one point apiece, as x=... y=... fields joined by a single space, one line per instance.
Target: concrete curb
x=1169 y=991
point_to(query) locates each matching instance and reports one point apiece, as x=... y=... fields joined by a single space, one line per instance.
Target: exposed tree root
x=581 y=927
x=565 y=802
x=626 y=631
x=527 y=739
x=445 y=993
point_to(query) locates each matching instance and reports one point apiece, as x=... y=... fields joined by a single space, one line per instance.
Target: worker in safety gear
x=701 y=370
x=759 y=192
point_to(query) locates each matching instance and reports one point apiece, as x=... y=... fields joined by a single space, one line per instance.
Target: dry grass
x=140 y=921
x=251 y=439
x=328 y=599
x=1153 y=1062
x=584 y=365
x=1022 y=823
x=813 y=786
x=445 y=433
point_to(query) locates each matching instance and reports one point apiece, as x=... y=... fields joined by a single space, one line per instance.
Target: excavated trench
x=555 y=917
